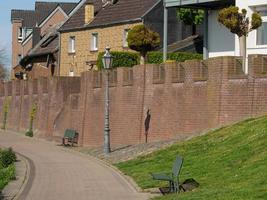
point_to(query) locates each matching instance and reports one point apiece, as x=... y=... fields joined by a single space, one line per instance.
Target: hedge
x=157 y=57
x=129 y=59
x=121 y=59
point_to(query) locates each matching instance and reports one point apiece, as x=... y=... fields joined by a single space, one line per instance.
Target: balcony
x=207 y=4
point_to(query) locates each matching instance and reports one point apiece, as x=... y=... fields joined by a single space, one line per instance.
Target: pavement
x=59 y=174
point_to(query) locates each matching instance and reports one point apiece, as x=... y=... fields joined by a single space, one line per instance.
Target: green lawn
x=229 y=164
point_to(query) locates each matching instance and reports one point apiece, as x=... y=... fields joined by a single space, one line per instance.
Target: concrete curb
x=28 y=181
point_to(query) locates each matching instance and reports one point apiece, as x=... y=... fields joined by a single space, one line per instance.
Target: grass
x=229 y=163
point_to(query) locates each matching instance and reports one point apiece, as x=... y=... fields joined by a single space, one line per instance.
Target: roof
x=48 y=45
x=42 y=11
x=28 y=17
x=192 y=43
x=120 y=12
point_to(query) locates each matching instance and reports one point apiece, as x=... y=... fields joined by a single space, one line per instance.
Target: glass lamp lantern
x=107 y=59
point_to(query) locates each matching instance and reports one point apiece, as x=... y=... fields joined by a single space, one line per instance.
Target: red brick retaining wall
x=184 y=99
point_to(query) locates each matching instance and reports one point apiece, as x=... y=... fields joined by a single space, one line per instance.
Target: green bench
x=71 y=136
x=173 y=177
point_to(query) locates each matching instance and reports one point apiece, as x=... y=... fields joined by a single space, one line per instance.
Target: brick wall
x=184 y=99
x=16 y=46
x=56 y=18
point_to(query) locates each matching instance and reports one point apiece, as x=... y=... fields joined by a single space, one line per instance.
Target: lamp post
x=107 y=63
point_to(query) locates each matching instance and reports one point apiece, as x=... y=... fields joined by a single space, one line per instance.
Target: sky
x=5 y=24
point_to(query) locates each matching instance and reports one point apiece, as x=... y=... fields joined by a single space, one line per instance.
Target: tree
x=239 y=24
x=3 y=71
x=191 y=17
x=143 y=40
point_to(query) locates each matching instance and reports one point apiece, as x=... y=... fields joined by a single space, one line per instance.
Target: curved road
x=64 y=175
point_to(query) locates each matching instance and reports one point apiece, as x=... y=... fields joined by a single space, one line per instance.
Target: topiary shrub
x=240 y=24
x=157 y=57
x=143 y=40
x=7 y=157
x=121 y=59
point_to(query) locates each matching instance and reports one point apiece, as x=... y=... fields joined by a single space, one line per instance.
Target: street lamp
x=107 y=63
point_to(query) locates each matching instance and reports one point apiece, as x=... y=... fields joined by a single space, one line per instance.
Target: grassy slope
x=230 y=163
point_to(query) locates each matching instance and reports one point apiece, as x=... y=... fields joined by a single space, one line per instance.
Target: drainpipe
x=205 y=37
x=59 y=53
x=165 y=34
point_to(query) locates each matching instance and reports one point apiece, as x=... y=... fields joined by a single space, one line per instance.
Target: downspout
x=206 y=35
x=165 y=34
x=59 y=53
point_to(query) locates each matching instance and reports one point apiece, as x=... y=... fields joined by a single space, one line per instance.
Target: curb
x=27 y=184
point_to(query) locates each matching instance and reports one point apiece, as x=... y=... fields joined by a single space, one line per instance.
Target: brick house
x=29 y=26
x=98 y=23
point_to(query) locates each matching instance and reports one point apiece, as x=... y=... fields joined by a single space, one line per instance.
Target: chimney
x=89 y=13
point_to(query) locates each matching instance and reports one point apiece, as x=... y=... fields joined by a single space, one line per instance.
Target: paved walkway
x=62 y=175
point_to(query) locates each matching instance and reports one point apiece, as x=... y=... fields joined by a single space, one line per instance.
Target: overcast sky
x=5 y=23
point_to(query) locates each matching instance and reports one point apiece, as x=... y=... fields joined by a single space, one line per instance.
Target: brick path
x=63 y=175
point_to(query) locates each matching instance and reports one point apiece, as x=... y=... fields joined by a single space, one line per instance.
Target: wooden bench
x=71 y=136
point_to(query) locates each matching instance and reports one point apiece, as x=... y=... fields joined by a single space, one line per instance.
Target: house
x=42 y=59
x=98 y=23
x=219 y=41
x=29 y=26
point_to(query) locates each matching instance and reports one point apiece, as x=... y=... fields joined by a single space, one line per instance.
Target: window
x=94 y=44
x=20 y=36
x=262 y=34
x=125 y=35
x=72 y=44
x=28 y=31
x=71 y=73
x=262 y=31
x=19 y=58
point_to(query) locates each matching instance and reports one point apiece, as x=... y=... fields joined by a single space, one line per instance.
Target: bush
x=121 y=59
x=143 y=40
x=157 y=57
x=7 y=157
x=6 y=174
x=29 y=133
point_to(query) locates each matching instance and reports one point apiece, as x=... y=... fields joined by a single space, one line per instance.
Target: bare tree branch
x=3 y=60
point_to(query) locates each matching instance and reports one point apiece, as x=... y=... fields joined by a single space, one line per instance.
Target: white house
x=219 y=41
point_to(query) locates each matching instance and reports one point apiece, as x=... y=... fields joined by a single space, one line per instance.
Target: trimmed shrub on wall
x=121 y=59
x=157 y=57
x=129 y=59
